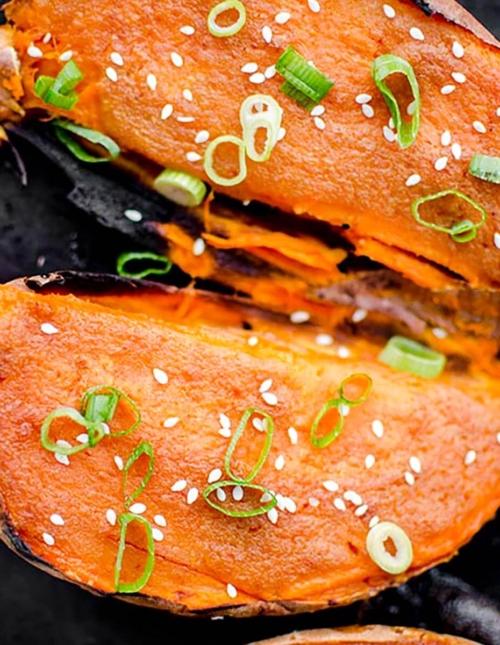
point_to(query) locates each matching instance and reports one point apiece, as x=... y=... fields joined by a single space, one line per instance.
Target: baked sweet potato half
x=333 y=489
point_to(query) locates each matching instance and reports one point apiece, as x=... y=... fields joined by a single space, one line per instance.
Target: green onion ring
x=324 y=442
x=180 y=187
x=125 y=258
x=230 y=30
x=58 y=91
x=68 y=78
x=91 y=406
x=144 y=448
x=94 y=430
x=409 y=356
x=133 y=587
x=375 y=545
x=249 y=134
x=362 y=398
x=301 y=75
x=269 y=429
x=209 y=161
x=485 y=168
x=244 y=513
x=63 y=127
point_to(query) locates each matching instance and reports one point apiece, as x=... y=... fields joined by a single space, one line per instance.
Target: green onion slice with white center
x=485 y=168
x=326 y=440
x=463 y=231
x=377 y=550
x=260 y=111
x=64 y=129
x=99 y=404
x=180 y=187
x=302 y=76
x=144 y=448
x=355 y=389
x=385 y=66
x=209 y=161
x=268 y=425
x=124 y=520
x=232 y=29
x=232 y=512
x=58 y=91
x=409 y=356
x=95 y=432
x=143 y=257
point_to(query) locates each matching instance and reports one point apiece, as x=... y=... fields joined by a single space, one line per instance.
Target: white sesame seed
x=378 y=428
x=319 y=123
x=389 y=134
x=345 y=409
x=188 y=95
x=446 y=138
x=496 y=240
x=214 y=476
x=111 y=516
x=281 y=134
x=331 y=486
x=193 y=157
x=324 y=340
x=49 y=329
x=176 y=59
x=416 y=33
x=441 y=163
x=138 y=508
x=415 y=465
x=389 y=11
x=224 y=420
x=225 y=432
x=221 y=495
x=266 y=385
x=413 y=180
x=299 y=317
x=479 y=127
x=202 y=136
x=66 y=56
x=253 y=341
x=290 y=505
x=448 y=89
x=282 y=17
x=159 y=520
x=270 y=72
x=179 y=486
x=157 y=534
x=440 y=333
x=458 y=50
x=314 y=6
x=343 y=352
x=498 y=111
x=62 y=459
x=132 y=215
x=48 y=539
x=359 y=315
x=391 y=123
x=294 y=436
x=368 y=111
x=199 y=247
x=231 y=591
x=470 y=457
x=47 y=38
x=270 y=399
x=250 y=68
x=498 y=437
x=112 y=74
x=410 y=479
x=267 y=34
x=313 y=502
x=339 y=504
x=258 y=424
x=458 y=77
x=34 y=52
x=83 y=438
x=118 y=462
x=192 y=495
x=362 y=99
x=187 y=30
x=167 y=112
x=361 y=510
x=257 y=78
x=456 y=151
x=319 y=110
x=160 y=376
x=272 y=516
x=238 y=493
x=352 y=496
x=117 y=59
x=56 y=519
x=279 y=464
x=369 y=461
x=374 y=521
x=171 y=422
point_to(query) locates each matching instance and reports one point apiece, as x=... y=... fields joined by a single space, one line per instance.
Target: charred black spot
x=19 y=545
x=422 y=4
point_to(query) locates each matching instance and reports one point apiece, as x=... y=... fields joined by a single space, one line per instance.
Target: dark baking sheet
x=41 y=231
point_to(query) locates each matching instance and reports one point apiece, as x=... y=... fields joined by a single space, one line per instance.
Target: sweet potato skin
x=314 y=557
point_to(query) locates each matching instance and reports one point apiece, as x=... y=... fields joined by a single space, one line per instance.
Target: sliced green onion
x=230 y=30
x=261 y=510
x=144 y=448
x=485 y=168
x=68 y=78
x=349 y=382
x=383 y=67
x=58 y=91
x=326 y=440
x=251 y=130
x=133 y=587
x=125 y=258
x=464 y=231
x=407 y=355
x=209 y=161
x=298 y=96
x=95 y=432
x=42 y=85
x=253 y=117
x=62 y=101
x=375 y=545
x=180 y=187
x=269 y=430
x=63 y=127
x=303 y=76
x=100 y=404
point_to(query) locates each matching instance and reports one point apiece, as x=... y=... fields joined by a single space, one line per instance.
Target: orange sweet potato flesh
x=311 y=558
x=347 y=174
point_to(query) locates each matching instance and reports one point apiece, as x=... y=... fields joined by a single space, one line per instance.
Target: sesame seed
x=188 y=95
x=343 y=352
x=446 y=138
x=458 y=50
x=225 y=432
x=116 y=59
x=416 y=33
x=359 y=315
x=176 y=59
x=66 y=56
x=279 y=464
x=313 y=502
x=231 y=591
x=193 y=157
x=413 y=180
x=257 y=78
x=187 y=30
x=331 y=486
x=202 y=137
x=324 y=340
x=224 y=420
x=281 y=134
x=496 y=240
x=167 y=112
x=378 y=428
x=498 y=111
x=138 y=508
x=299 y=317
x=47 y=38
x=456 y=151
x=290 y=505
x=344 y=409
x=48 y=539
x=374 y=521
x=415 y=465
x=270 y=399
x=267 y=34
x=282 y=17
x=56 y=519
x=157 y=535
x=258 y=424
x=319 y=110
x=389 y=11
x=470 y=457
x=458 y=77
x=440 y=333
x=270 y=72
x=250 y=68
x=391 y=123
x=238 y=493
x=171 y=422
x=159 y=520
x=160 y=376
x=111 y=516
x=448 y=89
x=112 y=74
x=319 y=123
x=361 y=510
x=339 y=504
x=34 y=52
x=132 y=215
x=498 y=437
x=314 y=6
x=369 y=461
x=352 y=496
x=266 y=385
x=192 y=496
x=214 y=476
x=253 y=340
x=479 y=127
x=62 y=459
x=272 y=516
x=82 y=438
x=441 y=163
x=410 y=479
x=118 y=462
x=199 y=247
x=179 y=486
x=49 y=329
x=362 y=99
x=368 y=111
x=221 y=495
x=294 y=436
x=389 y=134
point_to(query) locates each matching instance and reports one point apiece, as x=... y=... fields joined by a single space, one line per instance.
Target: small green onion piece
x=269 y=430
x=42 y=85
x=325 y=441
x=133 y=587
x=409 y=356
x=62 y=101
x=298 y=96
x=180 y=187
x=144 y=448
x=125 y=258
x=375 y=545
x=68 y=78
x=304 y=77
x=243 y=513
x=100 y=404
x=464 y=231
x=63 y=127
x=249 y=134
x=94 y=430
x=485 y=168
x=230 y=30
x=253 y=106
x=350 y=381
x=209 y=161
x=383 y=67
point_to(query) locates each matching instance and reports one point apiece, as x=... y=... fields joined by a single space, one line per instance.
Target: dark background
x=41 y=231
